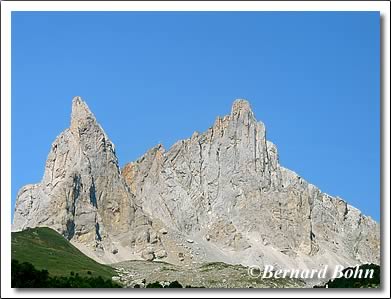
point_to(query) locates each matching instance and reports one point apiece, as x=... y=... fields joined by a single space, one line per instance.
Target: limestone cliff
x=226 y=187
x=218 y=196
x=82 y=194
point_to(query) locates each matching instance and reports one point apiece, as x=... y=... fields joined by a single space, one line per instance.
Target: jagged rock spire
x=240 y=105
x=82 y=194
x=81 y=114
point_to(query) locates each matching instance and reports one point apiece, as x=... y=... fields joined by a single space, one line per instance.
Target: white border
x=196 y=5
x=8 y=7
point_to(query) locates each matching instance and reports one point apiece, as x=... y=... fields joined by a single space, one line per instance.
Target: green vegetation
x=55 y=262
x=213 y=266
x=156 y=284
x=42 y=258
x=24 y=275
x=352 y=282
x=47 y=250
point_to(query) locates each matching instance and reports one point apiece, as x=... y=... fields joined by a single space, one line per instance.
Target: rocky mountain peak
x=83 y=195
x=81 y=114
x=226 y=186
x=223 y=189
x=242 y=122
x=80 y=108
x=241 y=107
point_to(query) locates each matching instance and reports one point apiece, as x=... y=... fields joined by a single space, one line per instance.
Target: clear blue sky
x=155 y=77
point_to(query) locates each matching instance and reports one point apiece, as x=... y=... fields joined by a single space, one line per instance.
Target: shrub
x=155 y=284
x=174 y=284
x=24 y=275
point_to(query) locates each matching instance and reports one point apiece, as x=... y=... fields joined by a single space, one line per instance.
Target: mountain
x=225 y=188
x=83 y=196
x=219 y=196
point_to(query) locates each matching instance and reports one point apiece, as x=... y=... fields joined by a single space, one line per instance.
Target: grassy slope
x=46 y=249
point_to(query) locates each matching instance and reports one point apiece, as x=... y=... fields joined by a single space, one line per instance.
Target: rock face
x=226 y=187
x=82 y=194
x=217 y=196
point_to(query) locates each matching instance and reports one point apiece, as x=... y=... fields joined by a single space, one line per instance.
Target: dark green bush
x=24 y=275
x=155 y=284
x=174 y=284
x=352 y=282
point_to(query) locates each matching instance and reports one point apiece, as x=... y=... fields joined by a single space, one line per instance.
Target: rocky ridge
x=225 y=188
x=218 y=196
